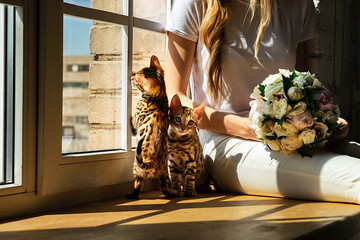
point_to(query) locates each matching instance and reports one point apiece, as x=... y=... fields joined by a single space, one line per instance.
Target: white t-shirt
x=294 y=21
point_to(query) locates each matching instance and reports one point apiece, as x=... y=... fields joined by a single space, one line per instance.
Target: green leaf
x=293 y=75
x=292 y=105
x=271 y=137
x=304 y=151
x=316 y=142
x=318 y=116
x=281 y=121
x=265 y=121
x=333 y=126
x=311 y=95
x=287 y=83
x=262 y=89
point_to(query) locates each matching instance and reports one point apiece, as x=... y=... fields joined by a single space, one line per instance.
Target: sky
x=76 y=32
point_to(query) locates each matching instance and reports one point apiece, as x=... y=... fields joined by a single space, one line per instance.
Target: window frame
x=67 y=172
x=24 y=134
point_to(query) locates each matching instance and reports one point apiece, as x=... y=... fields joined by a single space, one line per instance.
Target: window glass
x=115 y=6
x=2 y=90
x=154 y=10
x=10 y=78
x=92 y=68
x=147 y=43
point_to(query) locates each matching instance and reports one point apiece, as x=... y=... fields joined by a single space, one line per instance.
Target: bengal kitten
x=150 y=123
x=186 y=160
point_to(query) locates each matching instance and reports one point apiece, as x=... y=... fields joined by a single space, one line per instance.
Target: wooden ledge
x=208 y=216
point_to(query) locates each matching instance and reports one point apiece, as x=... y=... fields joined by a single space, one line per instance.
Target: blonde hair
x=212 y=34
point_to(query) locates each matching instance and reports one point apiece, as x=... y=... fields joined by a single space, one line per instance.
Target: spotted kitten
x=150 y=123
x=186 y=160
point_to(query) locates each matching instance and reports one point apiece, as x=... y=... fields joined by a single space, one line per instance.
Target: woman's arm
x=179 y=60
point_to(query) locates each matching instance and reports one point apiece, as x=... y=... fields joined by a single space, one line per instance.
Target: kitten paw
x=190 y=193
x=172 y=193
x=132 y=196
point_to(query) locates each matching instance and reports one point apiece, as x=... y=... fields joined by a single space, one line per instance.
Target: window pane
x=91 y=85
x=146 y=43
x=115 y=6
x=2 y=90
x=7 y=92
x=154 y=10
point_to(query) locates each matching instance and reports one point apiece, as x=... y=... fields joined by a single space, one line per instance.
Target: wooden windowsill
x=208 y=216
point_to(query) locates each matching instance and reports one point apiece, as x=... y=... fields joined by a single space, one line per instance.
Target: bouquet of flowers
x=293 y=111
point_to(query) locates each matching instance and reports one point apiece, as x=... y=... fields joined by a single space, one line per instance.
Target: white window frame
x=2 y=91
x=48 y=179
x=69 y=172
x=17 y=133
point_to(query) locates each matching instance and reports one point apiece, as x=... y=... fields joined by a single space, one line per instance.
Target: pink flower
x=324 y=101
x=303 y=120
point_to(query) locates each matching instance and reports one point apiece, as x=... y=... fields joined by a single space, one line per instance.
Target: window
x=78 y=68
x=84 y=127
x=102 y=44
x=10 y=95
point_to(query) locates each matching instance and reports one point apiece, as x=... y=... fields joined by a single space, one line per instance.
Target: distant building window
x=83 y=120
x=78 y=67
x=68 y=131
x=75 y=84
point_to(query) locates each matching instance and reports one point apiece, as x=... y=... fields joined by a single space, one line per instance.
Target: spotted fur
x=186 y=160
x=150 y=123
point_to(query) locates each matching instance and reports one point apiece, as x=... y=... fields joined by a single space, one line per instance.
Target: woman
x=218 y=50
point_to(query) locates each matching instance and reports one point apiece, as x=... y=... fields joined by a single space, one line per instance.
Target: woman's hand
x=339 y=135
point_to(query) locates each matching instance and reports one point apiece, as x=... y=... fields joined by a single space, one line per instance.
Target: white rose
x=267 y=109
x=273 y=144
x=321 y=130
x=285 y=72
x=300 y=81
x=295 y=93
x=255 y=115
x=309 y=78
x=256 y=93
x=263 y=131
x=271 y=79
x=300 y=107
x=273 y=90
x=287 y=129
x=317 y=84
x=291 y=144
x=280 y=108
x=308 y=136
x=331 y=116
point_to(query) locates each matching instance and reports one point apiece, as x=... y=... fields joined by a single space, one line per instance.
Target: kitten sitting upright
x=150 y=123
x=186 y=160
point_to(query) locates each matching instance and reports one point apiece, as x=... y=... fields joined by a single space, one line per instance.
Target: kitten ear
x=154 y=63
x=175 y=103
x=199 y=110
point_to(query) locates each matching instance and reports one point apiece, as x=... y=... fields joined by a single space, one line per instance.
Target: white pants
x=249 y=167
